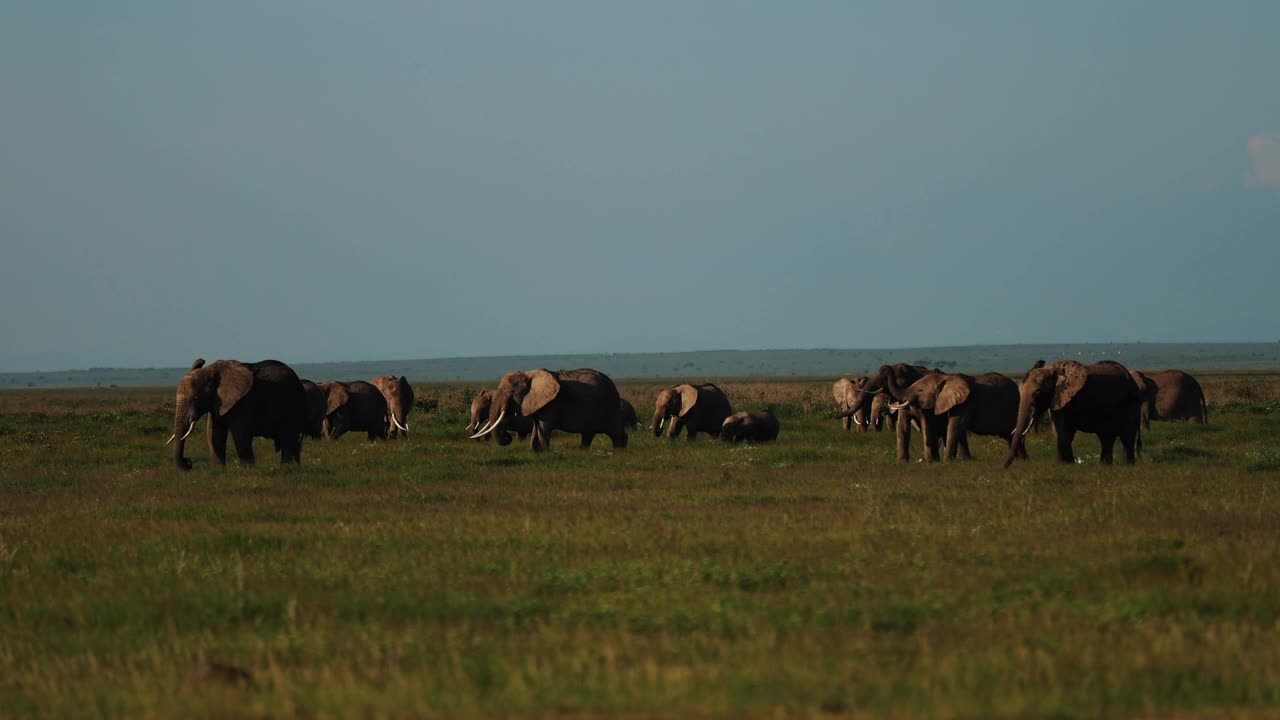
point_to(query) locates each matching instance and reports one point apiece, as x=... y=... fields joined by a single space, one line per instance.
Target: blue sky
x=328 y=180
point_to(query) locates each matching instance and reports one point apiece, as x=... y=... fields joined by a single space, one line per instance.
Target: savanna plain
x=815 y=576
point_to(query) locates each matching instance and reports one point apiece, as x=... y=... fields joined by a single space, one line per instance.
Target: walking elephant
x=354 y=407
x=893 y=380
x=754 y=427
x=480 y=405
x=1171 y=395
x=580 y=401
x=694 y=409
x=262 y=399
x=399 y=396
x=1102 y=398
x=980 y=404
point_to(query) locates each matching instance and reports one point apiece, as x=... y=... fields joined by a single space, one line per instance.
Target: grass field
x=814 y=576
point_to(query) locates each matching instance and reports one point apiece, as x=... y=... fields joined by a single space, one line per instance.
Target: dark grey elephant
x=399 y=396
x=316 y=402
x=980 y=404
x=1171 y=395
x=627 y=412
x=692 y=408
x=1102 y=398
x=754 y=427
x=893 y=380
x=480 y=405
x=245 y=400
x=580 y=401
x=354 y=407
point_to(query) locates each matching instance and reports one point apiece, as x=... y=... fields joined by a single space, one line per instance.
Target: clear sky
x=331 y=180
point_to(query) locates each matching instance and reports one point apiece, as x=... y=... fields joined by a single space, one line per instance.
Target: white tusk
x=397 y=423
x=184 y=435
x=897 y=406
x=171 y=437
x=855 y=419
x=490 y=428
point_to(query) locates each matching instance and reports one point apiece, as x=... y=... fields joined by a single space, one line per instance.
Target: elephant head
x=1049 y=387
x=672 y=404
x=214 y=388
x=399 y=396
x=627 y=412
x=847 y=392
x=519 y=394
x=316 y=405
x=480 y=410
x=337 y=416
x=935 y=393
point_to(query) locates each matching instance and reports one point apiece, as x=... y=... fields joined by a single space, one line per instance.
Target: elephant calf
x=755 y=427
x=354 y=406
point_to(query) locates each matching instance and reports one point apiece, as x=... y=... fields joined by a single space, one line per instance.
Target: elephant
x=694 y=409
x=1171 y=395
x=262 y=399
x=844 y=390
x=581 y=401
x=522 y=426
x=1102 y=398
x=754 y=427
x=316 y=403
x=354 y=406
x=399 y=396
x=983 y=405
x=894 y=379
x=627 y=412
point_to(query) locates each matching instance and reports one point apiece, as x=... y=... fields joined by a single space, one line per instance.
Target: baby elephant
x=753 y=427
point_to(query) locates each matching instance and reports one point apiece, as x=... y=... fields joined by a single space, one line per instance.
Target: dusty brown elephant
x=984 y=404
x=480 y=404
x=1171 y=395
x=316 y=402
x=354 y=407
x=845 y=391
x=581 y=401
x=755 y=427
x=399 y=396
x=245 y=400
x=894 y=379
x=1102 y=398
x=692 y=408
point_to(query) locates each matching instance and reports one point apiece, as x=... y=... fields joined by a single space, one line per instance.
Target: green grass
x=814 y=576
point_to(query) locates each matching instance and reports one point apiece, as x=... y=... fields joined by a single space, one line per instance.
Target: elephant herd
x=1104 y=398
x=267 y=399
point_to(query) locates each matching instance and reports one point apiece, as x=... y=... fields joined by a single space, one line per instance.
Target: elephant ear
x=954 y=391
x=234 y=381
x=404 y=391
x=1071 y=379
x=335 y=396
x=543 y=388
x=199 y=363
x=688 y=398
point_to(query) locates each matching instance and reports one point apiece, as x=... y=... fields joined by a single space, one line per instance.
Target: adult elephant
x=1171 y=395
x=627 y=413
x=354 y=407
x=692 y=408
x=581 y=401
x=1101 y=398
x=845 y=391
x=399 y=396
x=480 y=405
x=316 y=402
x=262 y=399
x=893 y=380
x=984 y=404
x=756 y=427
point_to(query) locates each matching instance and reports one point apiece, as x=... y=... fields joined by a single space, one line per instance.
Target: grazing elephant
x=894 y=379
x=983 y=405
x=354 y=406
x=316 y=403
x=480 y=404
x=627 y=412
x=262 y=399
x=1171 y=395
x=399 y=396
x=754 y=427
x=1101 y=398
x=694 y=409
x=576 y=401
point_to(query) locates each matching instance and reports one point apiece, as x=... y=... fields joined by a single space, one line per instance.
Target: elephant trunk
x=1026 y=416
x=184 y=421
x=655 y=426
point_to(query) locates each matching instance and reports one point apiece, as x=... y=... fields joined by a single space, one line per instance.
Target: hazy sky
x=333 y=180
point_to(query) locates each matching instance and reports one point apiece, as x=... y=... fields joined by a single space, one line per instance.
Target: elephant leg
x=243 y=439
x=586 y=440
x=690 y=433
x=1130 y=441
x=291 y=452
x=619 y=438
x=1065 y=436
x=955 y=434
x=1108 y=442
x=540 y=436
x=217 y=442
x=904 y=436
x=846 y=423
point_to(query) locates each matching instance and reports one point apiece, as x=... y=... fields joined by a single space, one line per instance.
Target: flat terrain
x=816 y=576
